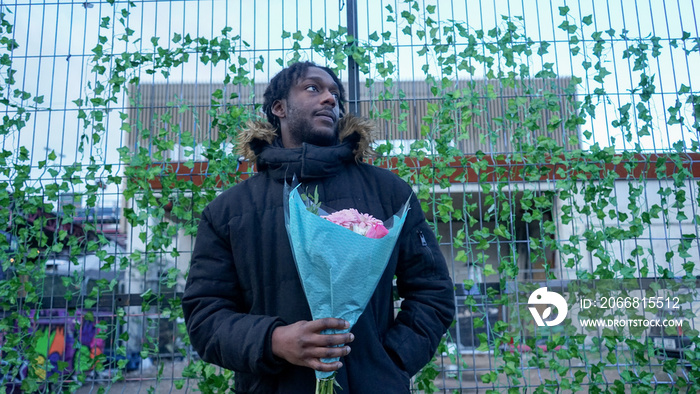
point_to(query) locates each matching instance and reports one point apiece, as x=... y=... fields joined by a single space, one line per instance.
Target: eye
x=336 y=95
x=312 y=88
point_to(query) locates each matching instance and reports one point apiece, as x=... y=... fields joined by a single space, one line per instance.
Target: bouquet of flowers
x=331 y=276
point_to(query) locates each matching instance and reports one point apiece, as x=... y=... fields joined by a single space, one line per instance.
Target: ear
x=279 y=108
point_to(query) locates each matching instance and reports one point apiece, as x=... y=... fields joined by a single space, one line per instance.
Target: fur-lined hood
x=258 y=134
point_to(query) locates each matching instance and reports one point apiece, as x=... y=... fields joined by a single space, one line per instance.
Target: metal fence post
x=353 y=70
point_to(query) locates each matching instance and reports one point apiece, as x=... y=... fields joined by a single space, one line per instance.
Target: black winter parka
x=243 y=282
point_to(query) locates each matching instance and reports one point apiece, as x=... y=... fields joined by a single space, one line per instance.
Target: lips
x=329 y=115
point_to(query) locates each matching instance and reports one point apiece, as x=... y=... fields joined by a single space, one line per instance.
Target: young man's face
x=311 y=110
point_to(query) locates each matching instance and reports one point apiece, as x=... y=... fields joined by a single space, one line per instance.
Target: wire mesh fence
x=551 y=143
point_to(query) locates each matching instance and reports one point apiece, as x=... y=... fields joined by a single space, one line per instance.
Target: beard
x=302 y=130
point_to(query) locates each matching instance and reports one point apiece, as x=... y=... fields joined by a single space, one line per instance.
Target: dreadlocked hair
x=279 y=86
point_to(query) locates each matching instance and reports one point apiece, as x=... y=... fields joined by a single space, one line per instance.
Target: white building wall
x=660 y=236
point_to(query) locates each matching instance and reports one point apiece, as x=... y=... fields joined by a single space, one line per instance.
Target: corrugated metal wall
x=482 y=133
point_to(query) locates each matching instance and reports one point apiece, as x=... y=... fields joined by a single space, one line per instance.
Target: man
x=244 y=304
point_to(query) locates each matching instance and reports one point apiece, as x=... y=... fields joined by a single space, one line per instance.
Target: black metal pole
x=353 y=70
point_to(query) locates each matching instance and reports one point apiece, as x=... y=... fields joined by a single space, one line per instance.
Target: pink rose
x=377 y=231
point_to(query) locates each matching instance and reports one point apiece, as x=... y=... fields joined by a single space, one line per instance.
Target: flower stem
x=325 y=386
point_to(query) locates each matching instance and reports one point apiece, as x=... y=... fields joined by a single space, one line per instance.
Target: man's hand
x=303 y=344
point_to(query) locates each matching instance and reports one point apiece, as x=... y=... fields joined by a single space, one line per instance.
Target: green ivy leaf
x=488 y=270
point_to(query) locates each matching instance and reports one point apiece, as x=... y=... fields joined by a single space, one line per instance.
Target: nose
x=329 y=99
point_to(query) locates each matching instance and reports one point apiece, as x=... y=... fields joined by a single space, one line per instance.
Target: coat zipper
x=422 y=239
x=424 y=243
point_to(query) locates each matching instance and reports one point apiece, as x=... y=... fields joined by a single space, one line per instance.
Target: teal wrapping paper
x=339 y=269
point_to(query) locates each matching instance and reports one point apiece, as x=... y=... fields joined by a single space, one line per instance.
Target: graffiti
x=65 y=344
x=71 y=340
x=13 y=384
